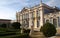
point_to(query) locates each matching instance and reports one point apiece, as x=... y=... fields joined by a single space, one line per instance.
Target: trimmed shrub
x=27 y=31
x=16 y=25
x=48 y=30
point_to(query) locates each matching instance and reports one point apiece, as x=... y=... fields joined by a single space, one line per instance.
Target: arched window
x=59 y=21
x=55 y=22
x=51 y=20
x=47 y=20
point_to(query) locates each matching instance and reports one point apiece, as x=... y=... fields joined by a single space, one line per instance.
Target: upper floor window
x=32 y=14
x=38 y=13
x=26 y=15
x=20 y=17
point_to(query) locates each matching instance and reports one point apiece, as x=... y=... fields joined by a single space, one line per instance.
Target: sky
x=8 y=8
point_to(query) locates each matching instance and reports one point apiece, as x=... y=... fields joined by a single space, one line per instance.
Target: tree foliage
x=3 y=25
x=16 y=25
x=48 y=30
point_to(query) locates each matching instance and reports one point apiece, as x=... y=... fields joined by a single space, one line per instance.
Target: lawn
x=12 y=33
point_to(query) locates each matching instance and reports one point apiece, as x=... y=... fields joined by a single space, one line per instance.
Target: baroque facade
x=38 y=15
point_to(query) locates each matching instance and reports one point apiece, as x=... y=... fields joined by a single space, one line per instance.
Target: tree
x=48 y=30
x=3 y=25
x=16 y=25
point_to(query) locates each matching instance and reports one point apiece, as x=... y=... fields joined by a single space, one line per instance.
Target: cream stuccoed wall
x=53 y=16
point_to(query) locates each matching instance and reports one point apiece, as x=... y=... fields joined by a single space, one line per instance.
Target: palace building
x=38 y=15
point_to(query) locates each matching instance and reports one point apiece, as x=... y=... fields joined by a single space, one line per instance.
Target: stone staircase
x=37 y=34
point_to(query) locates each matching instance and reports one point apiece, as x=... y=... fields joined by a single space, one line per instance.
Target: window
x=25 y=16
x=38 y=22
x=44 y=20
x=59 y=21
x=32 y=15
x=55 y=22
x=20 y=17
x=46 y=11
x=47 y=20
x=32 y=22
x=51 y=20
x=38 y=13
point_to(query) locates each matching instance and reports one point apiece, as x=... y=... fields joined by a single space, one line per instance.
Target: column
x=41 y=17
x=35 y=19
x=30 y=24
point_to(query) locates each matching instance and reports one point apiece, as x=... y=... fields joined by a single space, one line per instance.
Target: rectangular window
x=59 y=21
x=38 y=13
x=38 y=22
x=55 y=22
x=51 y=21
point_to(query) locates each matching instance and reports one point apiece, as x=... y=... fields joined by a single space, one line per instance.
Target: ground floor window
x=58 y=21
x=47 y=20
x=38 y=23
x=55 y=22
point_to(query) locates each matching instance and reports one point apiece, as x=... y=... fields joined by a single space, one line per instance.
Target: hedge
x=17 y=36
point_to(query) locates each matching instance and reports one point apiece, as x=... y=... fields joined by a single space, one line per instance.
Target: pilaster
x=30 y=21
x=41 y=16
x=35 y=19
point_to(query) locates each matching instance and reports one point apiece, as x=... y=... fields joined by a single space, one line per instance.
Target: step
x=36 y=34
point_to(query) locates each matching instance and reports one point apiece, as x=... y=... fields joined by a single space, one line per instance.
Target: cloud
x=6 y=13
x=8 y=8
x=53 y=3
